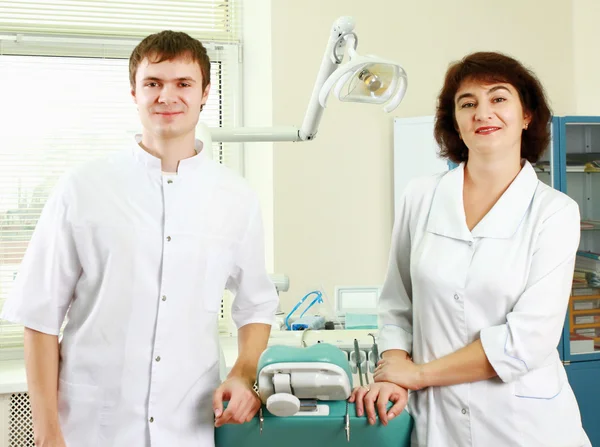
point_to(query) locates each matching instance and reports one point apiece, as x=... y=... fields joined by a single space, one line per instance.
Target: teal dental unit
x=304 y=393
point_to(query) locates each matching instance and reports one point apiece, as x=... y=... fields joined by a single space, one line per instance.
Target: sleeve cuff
x=394 y=337
x=494 y=340
x=30 y=324
x=241 y=323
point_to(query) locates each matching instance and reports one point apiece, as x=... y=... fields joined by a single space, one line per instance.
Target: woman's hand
x=382 y=393
x=401 y=371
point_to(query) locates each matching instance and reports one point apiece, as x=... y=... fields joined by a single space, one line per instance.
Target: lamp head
x=369 y=81
x=366 y=79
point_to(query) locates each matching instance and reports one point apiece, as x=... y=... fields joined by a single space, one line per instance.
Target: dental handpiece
x=357 y=353
x=375 y=351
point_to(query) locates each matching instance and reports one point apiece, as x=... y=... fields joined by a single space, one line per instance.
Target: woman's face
x=490 y=118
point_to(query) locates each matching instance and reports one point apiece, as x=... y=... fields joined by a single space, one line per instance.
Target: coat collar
x=447 y=215
x=154 y=164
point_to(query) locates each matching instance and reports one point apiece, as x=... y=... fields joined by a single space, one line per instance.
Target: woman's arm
x=469 y=364
x=395 y=301
x=532 y=328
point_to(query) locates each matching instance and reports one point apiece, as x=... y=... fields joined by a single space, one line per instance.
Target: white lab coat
x=142 y=260
x=506 y=282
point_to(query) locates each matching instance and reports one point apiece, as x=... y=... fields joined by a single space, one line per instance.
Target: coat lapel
x=447 y=214
x=505 y=217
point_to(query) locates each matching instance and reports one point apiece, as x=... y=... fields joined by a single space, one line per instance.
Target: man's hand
x=243 y=402
x=55 y=440
x=237 y=388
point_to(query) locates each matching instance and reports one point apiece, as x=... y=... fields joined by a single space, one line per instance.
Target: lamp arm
x=314 y=111
x=254 y=134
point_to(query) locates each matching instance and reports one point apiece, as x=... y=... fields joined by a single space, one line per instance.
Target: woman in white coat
x=479 y=276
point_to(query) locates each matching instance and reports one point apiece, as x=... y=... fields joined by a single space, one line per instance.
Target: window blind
x=210 y=20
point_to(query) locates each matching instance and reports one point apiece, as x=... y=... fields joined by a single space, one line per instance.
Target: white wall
x=332 y=197
x=586 y=67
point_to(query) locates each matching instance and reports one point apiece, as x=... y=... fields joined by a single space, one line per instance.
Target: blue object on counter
x=361 y=321
x=318 y=299
x=308 y=322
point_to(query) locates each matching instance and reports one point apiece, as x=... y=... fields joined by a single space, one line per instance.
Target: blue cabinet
x=573 y=165
x=583 y=377
x=577 y=153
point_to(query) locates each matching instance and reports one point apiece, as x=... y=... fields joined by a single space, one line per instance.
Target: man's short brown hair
x=166 y=46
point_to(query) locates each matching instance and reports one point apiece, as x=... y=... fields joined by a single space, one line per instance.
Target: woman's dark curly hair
x=489 y=67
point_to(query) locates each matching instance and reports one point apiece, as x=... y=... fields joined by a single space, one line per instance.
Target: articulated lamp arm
x=330 y=75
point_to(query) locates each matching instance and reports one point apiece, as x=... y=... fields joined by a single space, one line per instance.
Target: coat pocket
x=544 y=382
x=219 y=265
x=79 y=411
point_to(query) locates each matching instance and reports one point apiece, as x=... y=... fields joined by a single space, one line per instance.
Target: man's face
x=169 y=96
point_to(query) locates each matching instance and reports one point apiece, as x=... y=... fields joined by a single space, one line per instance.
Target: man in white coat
x=137 y=249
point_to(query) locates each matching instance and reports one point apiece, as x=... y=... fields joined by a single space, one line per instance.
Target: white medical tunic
x=506 y=282
x=140 y=261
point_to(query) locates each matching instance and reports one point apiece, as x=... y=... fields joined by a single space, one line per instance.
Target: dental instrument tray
x=304 y=393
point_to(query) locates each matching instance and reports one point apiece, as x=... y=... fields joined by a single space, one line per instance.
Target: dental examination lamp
x=366 y=79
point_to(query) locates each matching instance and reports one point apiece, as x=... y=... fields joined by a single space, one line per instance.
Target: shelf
x=583 y=162
x=570 y=169
x=586 y=326
x=585 y=297
x=578 y=170
x=593 y=223
x=587 y=312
